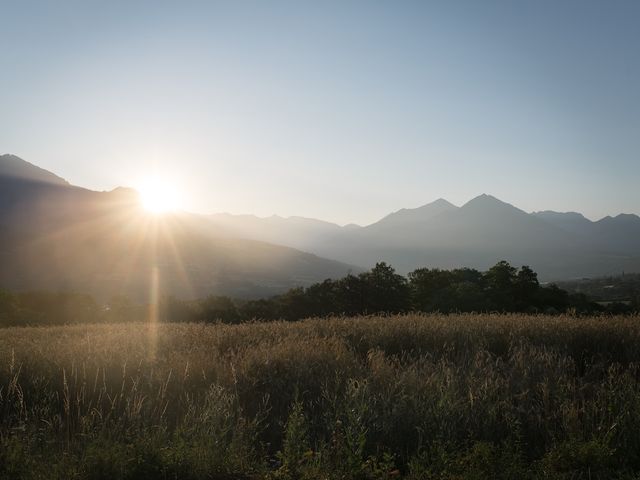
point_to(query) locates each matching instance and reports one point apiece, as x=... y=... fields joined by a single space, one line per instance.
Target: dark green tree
x=526 y=288
x=385 y=290
x=215 y=309
x=262 y=309
x=500 y=286
x=351 y=295
x=430 y=289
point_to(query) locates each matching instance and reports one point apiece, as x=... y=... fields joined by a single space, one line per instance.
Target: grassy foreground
x=419 y=397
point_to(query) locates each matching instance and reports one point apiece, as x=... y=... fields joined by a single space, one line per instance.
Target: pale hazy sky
x=340 y=110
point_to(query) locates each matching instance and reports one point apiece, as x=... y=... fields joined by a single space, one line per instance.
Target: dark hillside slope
x=57 y=236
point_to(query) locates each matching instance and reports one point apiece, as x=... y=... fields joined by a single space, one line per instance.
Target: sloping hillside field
x=420 y=397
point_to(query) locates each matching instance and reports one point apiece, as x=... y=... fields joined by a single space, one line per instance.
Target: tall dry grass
x=420 y=396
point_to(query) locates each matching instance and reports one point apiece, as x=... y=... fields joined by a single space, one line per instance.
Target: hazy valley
x=59 y=236
x=206 y=272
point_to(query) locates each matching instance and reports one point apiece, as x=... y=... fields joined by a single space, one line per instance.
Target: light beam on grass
x=154 y=311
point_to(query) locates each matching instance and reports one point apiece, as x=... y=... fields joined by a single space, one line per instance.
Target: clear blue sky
x=336 y=110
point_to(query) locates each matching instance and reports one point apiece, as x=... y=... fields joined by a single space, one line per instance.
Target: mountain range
x=478 y=234
x=56 y=235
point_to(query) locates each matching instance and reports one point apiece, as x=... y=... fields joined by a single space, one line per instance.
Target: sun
x=159 y=196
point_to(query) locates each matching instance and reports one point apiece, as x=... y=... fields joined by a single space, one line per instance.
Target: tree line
x=502 y=288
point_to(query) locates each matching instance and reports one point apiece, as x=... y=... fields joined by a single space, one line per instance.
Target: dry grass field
x=414 y=396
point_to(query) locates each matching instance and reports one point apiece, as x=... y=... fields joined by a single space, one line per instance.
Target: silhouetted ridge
x=219 y=249
x=571 y=222
x=551 y=216
x=14 y=167
x=621 y=221
x=414 y=215
x=489 y=203
x=56 y=236
x=628 y=218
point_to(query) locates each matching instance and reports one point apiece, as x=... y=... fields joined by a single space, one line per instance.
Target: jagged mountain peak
x=13 y=166
x=554 y=214
x=415 y=215
x=620 y=219
x=485 y=198
x=631 y=217
x=441 y=202
x=489 y=203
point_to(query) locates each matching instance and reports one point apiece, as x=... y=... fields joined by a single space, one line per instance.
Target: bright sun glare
x=159 y=196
